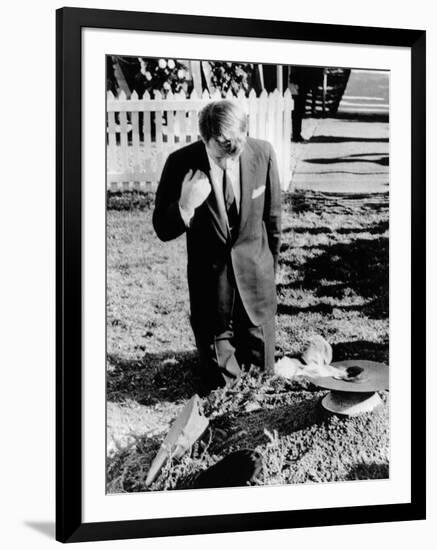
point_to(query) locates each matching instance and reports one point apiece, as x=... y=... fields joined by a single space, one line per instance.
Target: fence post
x=159 y=136
x=135 y=138
x=262 y=113
x=123 y=137
x=112 y=139
x=182 y=129
x=253 y=114
x=324 y=91
x=287 y=166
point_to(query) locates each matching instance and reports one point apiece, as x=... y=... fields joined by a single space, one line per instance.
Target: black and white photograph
x=247 y=274
x=217 y=284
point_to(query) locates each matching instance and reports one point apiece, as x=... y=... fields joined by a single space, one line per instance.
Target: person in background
x=302 y=80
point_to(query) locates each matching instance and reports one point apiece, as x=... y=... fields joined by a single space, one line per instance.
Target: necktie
x=230 y=202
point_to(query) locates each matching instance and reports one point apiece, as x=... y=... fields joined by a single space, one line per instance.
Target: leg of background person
x=297 y=115
x=298 y=112
x=296 y=120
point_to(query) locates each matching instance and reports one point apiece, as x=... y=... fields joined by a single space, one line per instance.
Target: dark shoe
x=208 y=382
x=234 y=470
x=215 y=378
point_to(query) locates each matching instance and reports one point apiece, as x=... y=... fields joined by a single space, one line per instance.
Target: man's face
x=221 y=149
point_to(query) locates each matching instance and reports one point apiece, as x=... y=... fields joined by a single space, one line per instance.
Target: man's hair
x=226 y=121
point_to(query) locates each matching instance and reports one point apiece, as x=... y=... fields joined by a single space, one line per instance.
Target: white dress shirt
x=233 y=171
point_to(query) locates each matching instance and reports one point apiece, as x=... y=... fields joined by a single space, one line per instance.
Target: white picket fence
x=141 y=133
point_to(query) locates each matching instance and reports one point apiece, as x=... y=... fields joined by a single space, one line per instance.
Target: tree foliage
x=163 y=75
x=232 y=77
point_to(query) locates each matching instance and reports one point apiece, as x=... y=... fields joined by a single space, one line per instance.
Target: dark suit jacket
x=253 y=253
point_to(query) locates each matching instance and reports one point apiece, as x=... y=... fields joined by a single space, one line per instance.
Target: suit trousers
x=233 y=343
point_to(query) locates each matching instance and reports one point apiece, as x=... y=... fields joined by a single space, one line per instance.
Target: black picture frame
x=69 y=524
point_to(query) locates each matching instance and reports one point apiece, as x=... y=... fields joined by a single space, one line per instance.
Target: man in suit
x=223 y=191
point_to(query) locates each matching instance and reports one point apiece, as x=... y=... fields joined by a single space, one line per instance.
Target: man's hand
x=194 y=192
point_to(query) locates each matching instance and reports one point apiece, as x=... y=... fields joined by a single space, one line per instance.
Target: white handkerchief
x=258 y=191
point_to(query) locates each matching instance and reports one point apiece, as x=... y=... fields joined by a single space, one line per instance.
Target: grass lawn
x=333 y=281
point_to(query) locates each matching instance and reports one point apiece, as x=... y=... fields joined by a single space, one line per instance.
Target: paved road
x=344 y=156
x=366 y=92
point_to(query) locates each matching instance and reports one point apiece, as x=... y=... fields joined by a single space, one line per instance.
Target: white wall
x=27 y=273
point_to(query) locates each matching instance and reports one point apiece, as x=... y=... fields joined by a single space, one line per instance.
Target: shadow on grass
x=368 y=471
x=129 y=200
x=360 y=265
x=377 y=228
x=361 y=117
x=157 y=377
x=361 y=349
x=374 y=229
x=286 y=309
x=307 y=230
x=341 y=139
x=382 y=160
x=318 y=203
x=349 y=172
